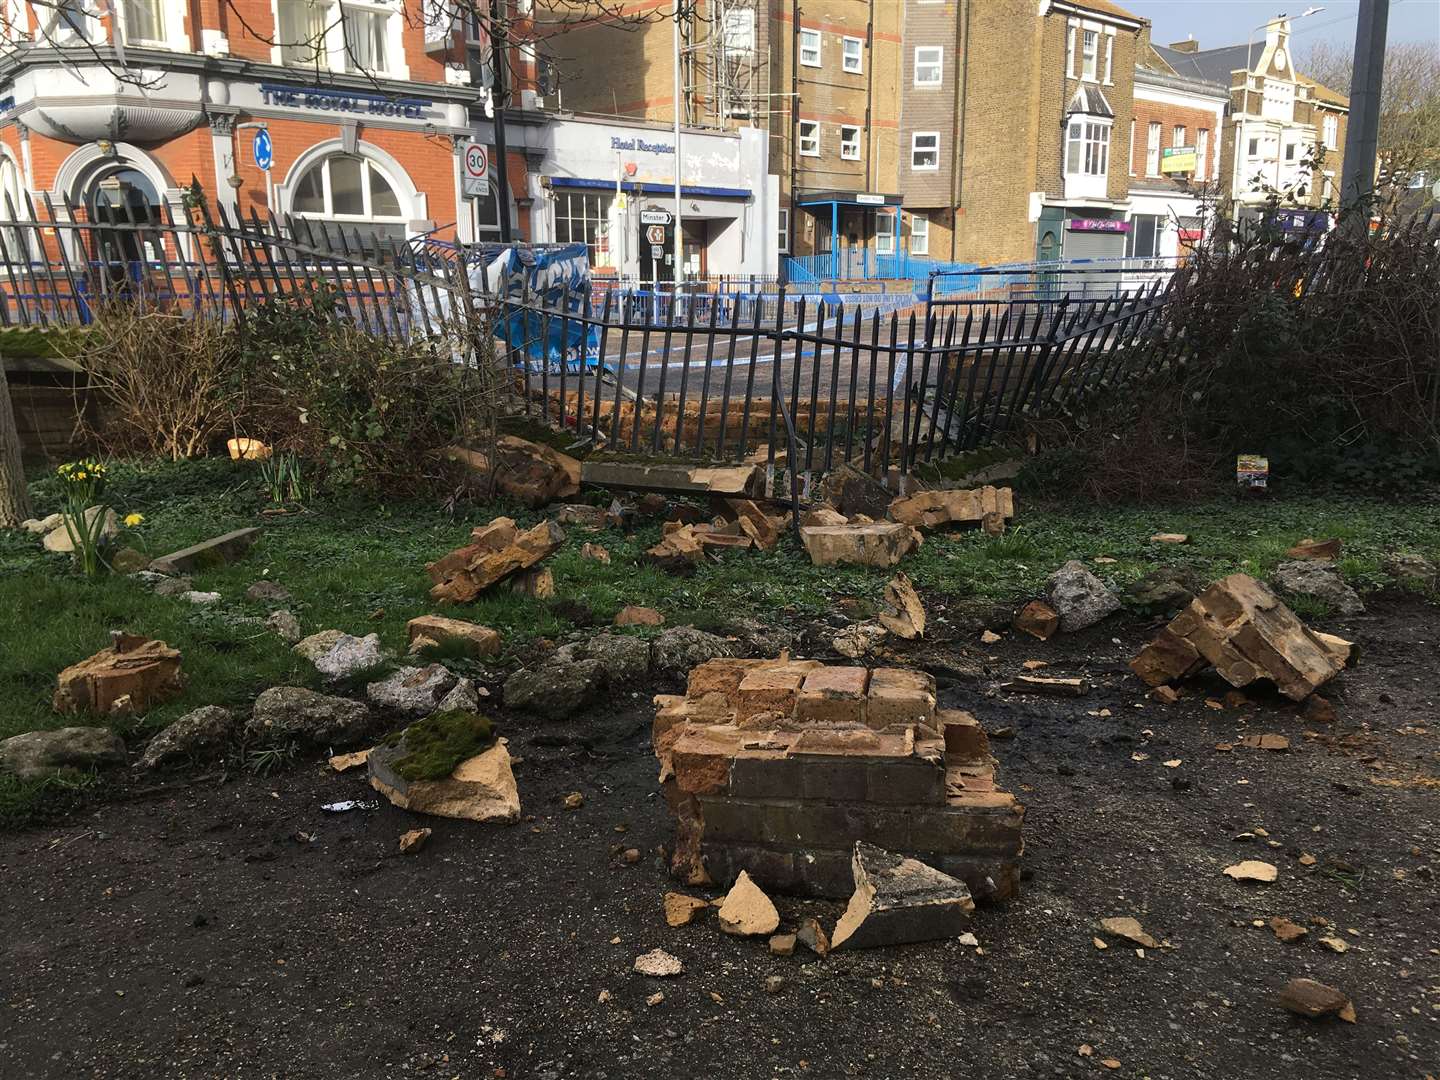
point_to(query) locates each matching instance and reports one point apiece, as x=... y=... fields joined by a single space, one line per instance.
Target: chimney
x=1189 y=45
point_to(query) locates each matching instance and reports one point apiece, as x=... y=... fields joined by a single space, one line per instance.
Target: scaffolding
x=722 y=64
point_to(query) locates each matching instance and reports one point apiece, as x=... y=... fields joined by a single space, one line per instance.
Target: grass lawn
x=358 y=566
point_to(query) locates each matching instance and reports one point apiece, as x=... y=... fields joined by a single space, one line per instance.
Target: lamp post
x=679 y=104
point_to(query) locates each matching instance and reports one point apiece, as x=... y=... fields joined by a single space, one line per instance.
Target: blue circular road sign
x=264 y=149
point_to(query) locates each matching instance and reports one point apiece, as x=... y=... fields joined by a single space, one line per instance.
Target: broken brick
x=833 y=695
x=898 y=901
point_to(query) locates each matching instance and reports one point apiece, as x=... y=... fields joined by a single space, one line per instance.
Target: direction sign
x=475 y=169
x=655 y=234
x=655 y=217
x=657 y=252
x=263 y=149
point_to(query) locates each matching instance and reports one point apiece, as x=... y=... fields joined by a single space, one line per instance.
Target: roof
x=1105 y=7
x=1089 y=101
x=1324 y=94
x=1212 y=65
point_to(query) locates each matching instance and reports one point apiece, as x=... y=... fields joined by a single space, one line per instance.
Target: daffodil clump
x=83 y=485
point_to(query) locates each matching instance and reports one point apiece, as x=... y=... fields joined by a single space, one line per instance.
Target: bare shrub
x=167 y=382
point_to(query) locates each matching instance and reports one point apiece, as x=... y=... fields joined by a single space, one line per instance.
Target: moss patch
x=435 y=745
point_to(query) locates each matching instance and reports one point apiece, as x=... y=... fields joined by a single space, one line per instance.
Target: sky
x=1230 y=22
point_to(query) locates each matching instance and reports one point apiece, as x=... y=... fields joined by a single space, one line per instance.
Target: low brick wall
x=778 y=767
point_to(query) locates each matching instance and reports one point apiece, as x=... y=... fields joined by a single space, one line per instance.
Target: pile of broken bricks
x=778 y=767
x=896 y=901
x=1246 y=633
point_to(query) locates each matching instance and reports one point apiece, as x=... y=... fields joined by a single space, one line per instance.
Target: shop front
x=611 y=186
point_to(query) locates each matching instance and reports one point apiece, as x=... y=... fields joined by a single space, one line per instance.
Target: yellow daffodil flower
x=131 y=520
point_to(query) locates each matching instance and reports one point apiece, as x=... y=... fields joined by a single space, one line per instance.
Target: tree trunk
x=14 y=495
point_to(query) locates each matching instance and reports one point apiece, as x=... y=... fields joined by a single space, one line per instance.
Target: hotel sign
x=345 y=101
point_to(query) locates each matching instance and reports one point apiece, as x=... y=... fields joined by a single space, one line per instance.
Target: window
x=1254 y=148
x=850 y=143
x=885 y=232
x=1089 y=54
x=1109 y=57
x=1152 y=150
x=583 y=217
x=485 y=213
x=1132 y=146
x=366 y=35
x=66 y=22
x=919 y=234
x=1290 y=150
x=1177 y=137
x=925 y=150
x=737 y=32
x=782 y=242
x=1087 y=148
x=353 y=193
x=1143 y=239
x=810 y=48
x=144 y=22
x=809 y=138
x=1327 y=186
x=1070 y=53
x=302 y=34
x=852 y=55
x=1331 y=128
x=1202 y=151
x=929 y=62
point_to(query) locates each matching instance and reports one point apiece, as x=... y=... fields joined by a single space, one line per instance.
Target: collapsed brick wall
x=778 y=767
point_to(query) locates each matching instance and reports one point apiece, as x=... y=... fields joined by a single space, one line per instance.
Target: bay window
x=1087 y=148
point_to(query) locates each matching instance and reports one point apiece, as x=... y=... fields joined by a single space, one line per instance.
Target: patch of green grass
x=358 y=565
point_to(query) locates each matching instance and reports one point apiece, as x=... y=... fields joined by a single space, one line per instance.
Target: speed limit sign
x=475 y=164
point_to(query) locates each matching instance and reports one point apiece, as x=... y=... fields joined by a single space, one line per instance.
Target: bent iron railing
x=795 y=382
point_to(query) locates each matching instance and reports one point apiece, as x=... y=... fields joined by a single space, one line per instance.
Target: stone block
x=904 y=781
x=135 y=673
x=722 y=675
x=929 y=509
x=767 y=690
x=765 y=774
x=219 y=551
x=965 y=739
x=833 y=695
x=701 y=758
x=898 y=900
x=881 y=543
x=897 y=696
x=476 y=640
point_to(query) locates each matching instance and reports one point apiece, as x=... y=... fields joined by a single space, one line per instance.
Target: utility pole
x=1362 y=137
x=497 y=108
x=679 y=104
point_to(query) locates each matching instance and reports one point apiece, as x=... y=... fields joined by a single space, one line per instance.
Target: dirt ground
x=232 y=928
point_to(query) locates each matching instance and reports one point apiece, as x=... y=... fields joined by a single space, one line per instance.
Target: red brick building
x=366 y=113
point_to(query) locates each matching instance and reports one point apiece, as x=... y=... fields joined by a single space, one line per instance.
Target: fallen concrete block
x=631 y=615
x=678 y=552
x=1241 y=627
x=881 y=543
x=904 y=615
x=527 y=471
x=538 y=583
x=1038 y=619
x=747 y=911
x=930 y=509
x=220 y=551
x=1319 y=550
x=136 y=672
x=478 y=788
x=759 y=526
x=898 y=901
x=823 y=515
x=678 y=478
x=496 y=551
x=476 y=640
x=1035 y=684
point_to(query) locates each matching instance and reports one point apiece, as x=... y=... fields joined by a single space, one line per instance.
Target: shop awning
x=694 y=191
x=845 y=198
